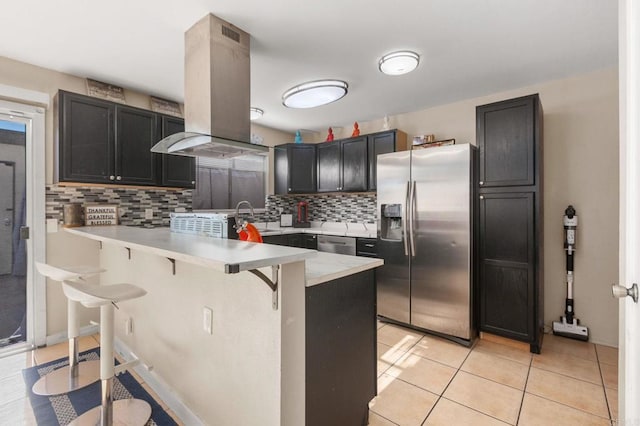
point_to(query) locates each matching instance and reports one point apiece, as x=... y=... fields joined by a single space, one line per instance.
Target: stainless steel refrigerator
x=425 y=236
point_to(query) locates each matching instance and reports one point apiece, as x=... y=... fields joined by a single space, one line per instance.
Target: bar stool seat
x=125 y=411
x=76 y=375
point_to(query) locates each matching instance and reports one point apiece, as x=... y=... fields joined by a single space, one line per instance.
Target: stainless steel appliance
x=340 y=245
x=217 y=225
x=425 y=236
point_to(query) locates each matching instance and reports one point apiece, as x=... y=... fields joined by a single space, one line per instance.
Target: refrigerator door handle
x=412 y=218
x=405 y=219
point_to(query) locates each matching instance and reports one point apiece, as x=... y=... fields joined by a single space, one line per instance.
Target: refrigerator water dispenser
x=391 y=222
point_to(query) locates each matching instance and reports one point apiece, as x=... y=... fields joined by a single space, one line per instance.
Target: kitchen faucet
x=238 y=209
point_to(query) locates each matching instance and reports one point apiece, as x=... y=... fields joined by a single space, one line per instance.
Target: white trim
x=63 y=336
x=159 y=386
x=24 y=95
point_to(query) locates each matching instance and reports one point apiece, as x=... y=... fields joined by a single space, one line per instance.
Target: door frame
x=629 y=270
x=33 y=116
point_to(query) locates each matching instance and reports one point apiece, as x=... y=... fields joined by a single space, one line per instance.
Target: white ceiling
x=469 y=47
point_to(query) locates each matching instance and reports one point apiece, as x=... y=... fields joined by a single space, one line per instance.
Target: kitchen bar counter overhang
x=230 y=256
x=251 y=368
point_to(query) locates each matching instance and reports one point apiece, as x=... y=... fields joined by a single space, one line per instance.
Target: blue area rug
x=62 y=409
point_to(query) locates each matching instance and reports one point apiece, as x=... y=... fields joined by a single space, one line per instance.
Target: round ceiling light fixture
x=398 y=63
x=255 y=113
x=314 y=93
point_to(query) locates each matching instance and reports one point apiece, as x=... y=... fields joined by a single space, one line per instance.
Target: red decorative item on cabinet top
x=356 y=130
x=329 y=135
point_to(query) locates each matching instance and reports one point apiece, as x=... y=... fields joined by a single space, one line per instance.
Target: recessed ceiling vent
x=217 y=76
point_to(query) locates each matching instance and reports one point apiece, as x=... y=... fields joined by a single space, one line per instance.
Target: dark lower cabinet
x=507 y=265
x=341 y=350
x=177 y=170
x=308 y=241
x=86 y=150
x=510 y=262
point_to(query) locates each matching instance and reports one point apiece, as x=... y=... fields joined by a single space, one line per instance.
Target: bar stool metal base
x=129 y=412
x=61 y=381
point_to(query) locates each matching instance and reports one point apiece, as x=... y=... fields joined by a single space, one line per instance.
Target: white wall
x=580 y=168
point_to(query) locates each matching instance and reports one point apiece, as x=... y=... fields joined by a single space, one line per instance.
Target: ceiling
x=469 y=48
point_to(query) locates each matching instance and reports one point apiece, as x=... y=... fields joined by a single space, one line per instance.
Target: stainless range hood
x=217 y=94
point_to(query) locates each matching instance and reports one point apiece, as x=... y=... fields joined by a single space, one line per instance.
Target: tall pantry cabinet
x=510 y=263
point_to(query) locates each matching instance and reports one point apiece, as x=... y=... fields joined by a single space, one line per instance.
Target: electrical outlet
x=207 y=320
x=148 y=213
x=128 y=326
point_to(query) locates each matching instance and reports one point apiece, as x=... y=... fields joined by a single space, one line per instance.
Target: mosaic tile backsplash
x=132 y=202
x=352 y=208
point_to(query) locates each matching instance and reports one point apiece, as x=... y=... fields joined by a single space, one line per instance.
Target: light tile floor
x=15 y=408
x=425 y=380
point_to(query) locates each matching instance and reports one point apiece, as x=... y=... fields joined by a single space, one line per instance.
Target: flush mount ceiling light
x=314 y=93
x=398 y=63
x=255 y=113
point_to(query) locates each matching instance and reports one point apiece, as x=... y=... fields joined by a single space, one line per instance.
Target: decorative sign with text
x=101 y=215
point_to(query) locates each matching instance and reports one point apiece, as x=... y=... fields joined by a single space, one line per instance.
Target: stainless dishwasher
x=340 y=245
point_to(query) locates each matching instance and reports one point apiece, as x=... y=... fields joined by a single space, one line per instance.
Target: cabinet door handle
x=482 y=197
x=481 y=183
x=289 y=189
x=193 y=182
x=118 y=177
x=368 y=245
x=112 y=177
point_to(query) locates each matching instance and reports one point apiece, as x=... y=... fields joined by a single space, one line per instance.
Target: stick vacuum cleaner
x=568 y=325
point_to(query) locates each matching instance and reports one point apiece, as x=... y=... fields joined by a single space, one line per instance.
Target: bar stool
x=125 y=411
x=77 y=374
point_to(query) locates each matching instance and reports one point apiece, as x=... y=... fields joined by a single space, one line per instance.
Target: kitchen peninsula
x=280 y=357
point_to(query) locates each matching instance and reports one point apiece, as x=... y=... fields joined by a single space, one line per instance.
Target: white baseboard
x=87 y=330
x=159 y=386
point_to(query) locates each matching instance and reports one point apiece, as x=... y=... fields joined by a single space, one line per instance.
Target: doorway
x=22 y=220
x=13 y=254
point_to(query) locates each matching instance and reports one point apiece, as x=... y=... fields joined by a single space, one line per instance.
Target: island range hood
x=217 y=94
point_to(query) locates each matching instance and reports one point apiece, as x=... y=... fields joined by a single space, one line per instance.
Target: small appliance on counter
x=302 y=221
x=286 y=220
x=217 y=225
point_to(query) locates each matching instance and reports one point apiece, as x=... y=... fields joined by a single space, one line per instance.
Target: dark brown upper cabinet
x=294 y=169
x=177 y=170
x=86 y=139
x=383 y=143
x=105 y=142
x=329 y=166
x=343 y=165
x=136 y=133
x=507 y=136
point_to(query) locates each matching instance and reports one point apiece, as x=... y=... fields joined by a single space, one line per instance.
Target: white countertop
x=330 y=266
x=227 y=255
